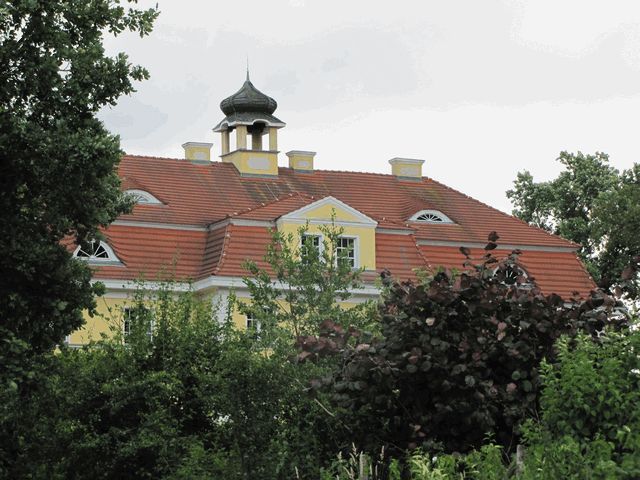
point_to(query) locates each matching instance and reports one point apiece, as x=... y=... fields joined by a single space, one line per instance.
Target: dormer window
x=512 y=275
x=96 y=252
x=430 y=216
x=143 y=198
x=346 y=251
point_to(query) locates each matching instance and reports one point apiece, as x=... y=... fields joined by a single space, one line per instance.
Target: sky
x=480 y=90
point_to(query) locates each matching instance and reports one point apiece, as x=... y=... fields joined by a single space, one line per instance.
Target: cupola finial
x=248 y=68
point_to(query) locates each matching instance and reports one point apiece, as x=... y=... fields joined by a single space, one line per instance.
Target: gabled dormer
x=249 y=113
x=358 y=240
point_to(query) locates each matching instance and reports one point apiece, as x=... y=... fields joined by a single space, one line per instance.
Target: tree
x=57 y=161
x=589 y=424
x=592 y=204
x=457 y=358
x=303 y=286
x=193 y=400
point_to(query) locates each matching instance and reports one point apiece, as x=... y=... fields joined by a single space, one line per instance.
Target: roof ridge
x=218 y=162
x=420 y=254
x=281 y=198
x=153 y=157
x=512 y=217
x=223 y=253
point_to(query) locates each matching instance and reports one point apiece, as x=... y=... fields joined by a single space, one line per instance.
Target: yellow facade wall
x=253 y=162
x=106 y=321
x=109 y=318
x=365 y=235
x=109 y=315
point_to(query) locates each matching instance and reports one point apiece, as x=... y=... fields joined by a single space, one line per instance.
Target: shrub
x=458 y=358
x=590 y=421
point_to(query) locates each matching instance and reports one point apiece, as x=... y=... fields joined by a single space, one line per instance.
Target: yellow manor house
x=201 y=219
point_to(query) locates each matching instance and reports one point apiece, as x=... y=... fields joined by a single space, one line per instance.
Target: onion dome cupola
x=249 y=100
x=250 y=113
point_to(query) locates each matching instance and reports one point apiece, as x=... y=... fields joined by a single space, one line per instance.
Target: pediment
x=325 y=210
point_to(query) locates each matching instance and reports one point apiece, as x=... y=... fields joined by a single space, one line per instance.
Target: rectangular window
x=254 y=327
x=253 y=324
x=346 y=250
x=135 y=317
x=311 y=245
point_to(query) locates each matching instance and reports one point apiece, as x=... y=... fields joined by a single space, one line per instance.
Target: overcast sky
x=478 y=89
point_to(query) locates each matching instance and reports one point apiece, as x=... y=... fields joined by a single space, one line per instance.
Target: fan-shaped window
x=430 y=216
x=513 y=274
x=96 y=251
x=143 y=198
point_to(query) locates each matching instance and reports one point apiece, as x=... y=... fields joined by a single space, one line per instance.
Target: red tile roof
x=272 y=210
x=553 y=272
x=213 y=196
x=153 y=252
x=196 y=194
x=399 y=254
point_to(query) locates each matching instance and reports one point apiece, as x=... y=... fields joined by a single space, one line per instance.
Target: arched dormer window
x=512 y=274
x=430 y=216
x=97 y=252
x=143 y=198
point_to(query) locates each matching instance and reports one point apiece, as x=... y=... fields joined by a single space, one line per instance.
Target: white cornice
x=533 y=248
x=168 y=226
x=247 y=222
x=393 y=231
x=409 y=161
x=241 y=222
x=197 y=144
x=339 y=223
x=300 y=152
x=115 y=285
x=209 y=283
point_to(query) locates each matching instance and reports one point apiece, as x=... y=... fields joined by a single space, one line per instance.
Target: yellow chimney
x=197 y=151
x=301 y=161
x=406 y=168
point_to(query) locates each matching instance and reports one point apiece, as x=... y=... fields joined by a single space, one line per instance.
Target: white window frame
x=143 y=197
x=111 y=255
x=436 y=213
x=127 y=311
x=320 y=238
x=356 y=249
x=249 y=320
x=525 y=274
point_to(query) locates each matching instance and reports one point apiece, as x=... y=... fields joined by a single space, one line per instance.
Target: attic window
x=143 y=198
x=96 y=251
x=512 y=275
x=430 y=216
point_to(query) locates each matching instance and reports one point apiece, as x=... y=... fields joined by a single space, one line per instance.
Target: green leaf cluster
x=193 y=400
x=457 y=359
x=300 y=286
x=593 y=204
x=590 y=411
x=58 y=180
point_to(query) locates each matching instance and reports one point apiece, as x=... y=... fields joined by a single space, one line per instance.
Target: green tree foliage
x=57 y=161
x=457 y=359
x=302 y=287
x=590 y=420
x=592 y=204
x=193 y=400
